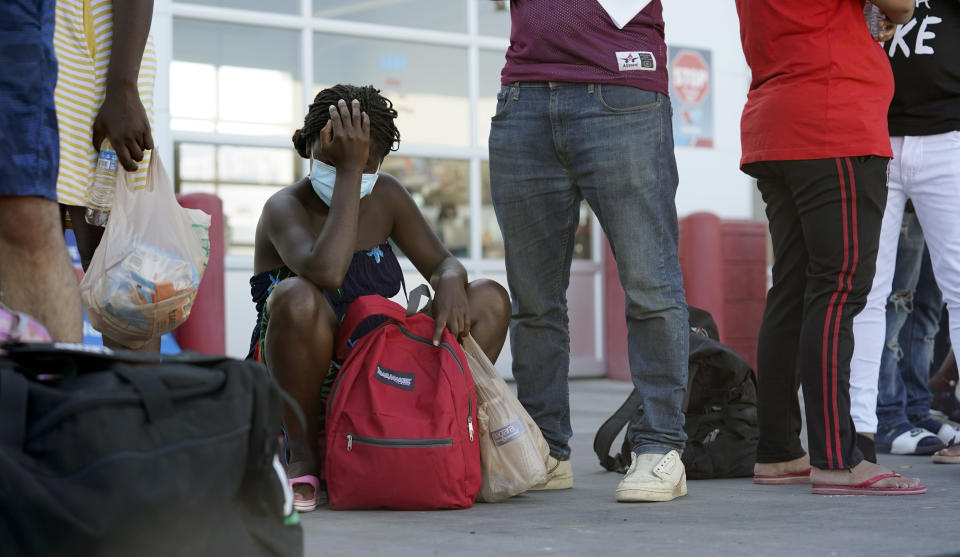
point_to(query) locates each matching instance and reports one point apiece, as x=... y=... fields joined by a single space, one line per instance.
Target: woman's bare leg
x=297 y=350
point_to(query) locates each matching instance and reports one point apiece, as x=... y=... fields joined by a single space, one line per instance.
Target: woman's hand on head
x=451 y=308
x=346 y=137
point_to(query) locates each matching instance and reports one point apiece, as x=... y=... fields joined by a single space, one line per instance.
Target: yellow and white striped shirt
x=82 y=39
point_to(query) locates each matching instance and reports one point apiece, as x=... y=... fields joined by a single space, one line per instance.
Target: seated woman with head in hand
x=323 y=242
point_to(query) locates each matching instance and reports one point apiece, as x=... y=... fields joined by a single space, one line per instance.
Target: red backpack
x=401 y=430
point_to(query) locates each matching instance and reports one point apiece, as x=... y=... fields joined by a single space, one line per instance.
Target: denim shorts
x=29 y=145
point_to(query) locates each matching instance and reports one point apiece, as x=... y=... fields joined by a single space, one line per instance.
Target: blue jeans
x=913 y=319
x=551 y=146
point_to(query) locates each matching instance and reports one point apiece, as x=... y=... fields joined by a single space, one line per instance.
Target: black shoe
x=867 y=447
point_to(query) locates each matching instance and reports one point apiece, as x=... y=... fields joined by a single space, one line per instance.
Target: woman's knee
x=489 y=301
x=299 y=303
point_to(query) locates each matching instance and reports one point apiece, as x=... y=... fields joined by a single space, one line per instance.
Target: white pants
x=926 y=170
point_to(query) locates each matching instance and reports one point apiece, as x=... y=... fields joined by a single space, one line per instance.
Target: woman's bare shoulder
x=390 y=189
x=285 y=200
x=389 y=183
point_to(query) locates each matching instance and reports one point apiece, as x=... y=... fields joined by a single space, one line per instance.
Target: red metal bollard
x=702 y=262
x=745 y=286
x=205 y=330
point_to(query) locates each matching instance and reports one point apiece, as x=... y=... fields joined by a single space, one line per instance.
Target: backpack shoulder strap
x=611 y=428
x=413 y=300
x=362 y=308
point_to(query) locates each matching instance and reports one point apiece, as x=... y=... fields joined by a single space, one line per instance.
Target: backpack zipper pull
x=470 y=426
x=349 y=442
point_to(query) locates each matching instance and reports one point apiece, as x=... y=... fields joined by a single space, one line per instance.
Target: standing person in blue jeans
x=913 y=318
x=583 y=114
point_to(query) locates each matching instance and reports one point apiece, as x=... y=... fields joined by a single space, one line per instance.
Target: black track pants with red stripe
x=824 y=220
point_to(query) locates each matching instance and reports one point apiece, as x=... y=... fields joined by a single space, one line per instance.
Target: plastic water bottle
x=874 y=16
x=101 y=193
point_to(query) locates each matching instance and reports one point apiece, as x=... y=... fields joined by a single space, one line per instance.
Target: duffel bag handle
x=13 y=408
x=361 y=309
x=156 y=397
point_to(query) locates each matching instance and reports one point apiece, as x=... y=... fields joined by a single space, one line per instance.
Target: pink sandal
x=306 y=505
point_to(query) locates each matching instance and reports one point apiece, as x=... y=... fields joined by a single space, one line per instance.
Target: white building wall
x=710 y=179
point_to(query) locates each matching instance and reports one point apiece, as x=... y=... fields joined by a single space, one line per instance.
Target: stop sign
x=690 y=77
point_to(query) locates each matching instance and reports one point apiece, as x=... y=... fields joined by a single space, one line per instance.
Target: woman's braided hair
x=384 y=135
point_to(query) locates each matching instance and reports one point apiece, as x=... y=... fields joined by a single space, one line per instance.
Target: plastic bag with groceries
x=145 y=273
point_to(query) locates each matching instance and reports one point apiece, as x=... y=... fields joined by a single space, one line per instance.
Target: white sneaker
x=559 y=475
x=913 y=441
x=653 y=477
x=949 y=434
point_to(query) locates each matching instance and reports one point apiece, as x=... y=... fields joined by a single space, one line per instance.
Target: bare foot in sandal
x=787 y=472
x=950 y=455
x=865 y=478
x=305 y=493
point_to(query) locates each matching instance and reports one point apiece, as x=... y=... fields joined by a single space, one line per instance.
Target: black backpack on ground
x=130 y=454
x=720 y=408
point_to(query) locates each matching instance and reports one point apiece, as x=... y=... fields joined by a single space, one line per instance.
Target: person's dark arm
x=324 y=258
x=898 y=11
x=122 y=118
x=446 y=274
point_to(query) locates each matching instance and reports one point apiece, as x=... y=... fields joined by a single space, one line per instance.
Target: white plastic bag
x=513 y=452
x=145 y=273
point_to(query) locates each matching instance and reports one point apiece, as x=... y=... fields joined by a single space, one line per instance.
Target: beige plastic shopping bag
x=513 y=452
x=145 y=273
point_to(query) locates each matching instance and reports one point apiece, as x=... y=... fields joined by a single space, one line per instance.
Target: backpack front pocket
x=397 y=443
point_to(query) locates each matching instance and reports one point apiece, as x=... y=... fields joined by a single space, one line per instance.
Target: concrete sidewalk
x=717 y=517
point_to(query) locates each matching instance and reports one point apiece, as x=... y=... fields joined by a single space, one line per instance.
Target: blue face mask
x=323 y=177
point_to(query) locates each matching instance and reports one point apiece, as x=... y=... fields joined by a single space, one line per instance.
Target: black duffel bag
x=720 y=408
x=130 y=454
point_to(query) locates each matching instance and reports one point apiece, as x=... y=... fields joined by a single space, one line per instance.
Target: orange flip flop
x=866 y=488
x=802 y=477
